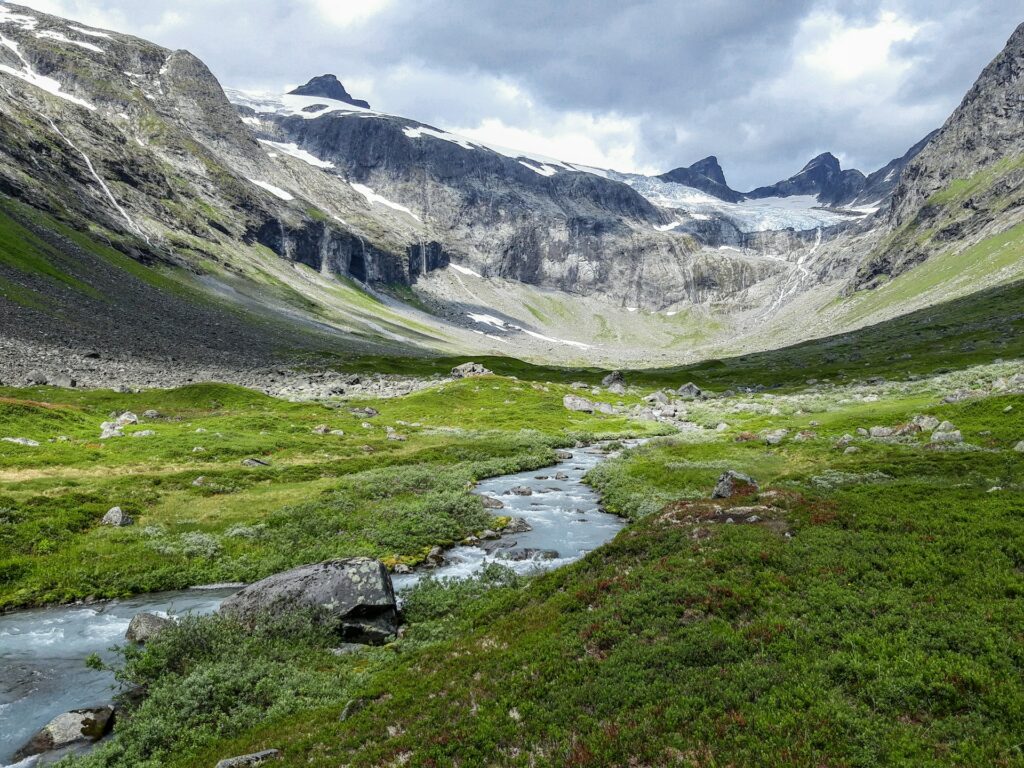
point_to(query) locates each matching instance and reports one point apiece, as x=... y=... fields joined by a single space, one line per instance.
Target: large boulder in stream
x=145 y=626
x=78 y=727
x=354 y=596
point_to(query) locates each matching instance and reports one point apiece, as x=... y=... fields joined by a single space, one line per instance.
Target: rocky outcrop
x=75 y=728
x=705 y=175
x=328 y=87
x=353 y=596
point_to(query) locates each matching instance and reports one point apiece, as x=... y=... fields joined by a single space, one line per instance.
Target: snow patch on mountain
x=372 y=197
x=465 y=270
x=60 y=37
x=275 y=191
x=32 y=77
x=91 y=32
x=420 y=131
x=7 y=16
x=293 y=150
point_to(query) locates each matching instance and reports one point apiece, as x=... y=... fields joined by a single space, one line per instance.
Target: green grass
x=872 y=618
x=383 y=498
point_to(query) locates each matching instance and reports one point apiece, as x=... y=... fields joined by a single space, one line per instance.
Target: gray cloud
x=657 y=83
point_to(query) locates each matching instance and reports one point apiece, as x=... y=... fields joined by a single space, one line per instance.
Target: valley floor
x=862 y=608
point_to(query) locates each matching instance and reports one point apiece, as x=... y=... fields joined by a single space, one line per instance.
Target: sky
x=641 y=86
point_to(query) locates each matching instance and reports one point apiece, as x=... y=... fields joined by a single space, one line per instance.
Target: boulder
x=246 y=761
x=151 y=414
x=951 y=436
x=469 y=369
x=561 y=476
x=689 y=391
x=321 y=429
x=775 y=436
x=366 y=412
x=926 y=422
x=615 y=377
x=144 y=433
x=617 y=389
x=22 y=441
x=734 y=483
x=1019 y=447
x=492 y=503
x=62 y=380
x=522 y=490
x=577 y=403
x=519 y=555
x=354 y=596
x=251 y=462
x=563 y=454
x=850 y=450
x=658 y=397
x=880 y=432
x=116 y=517
x=126 y=418
x=79 y=726
x=110 y=429
x=946 y=426
x=145 y=626
x=517 y=525
x=36 y=377
x=580 y=385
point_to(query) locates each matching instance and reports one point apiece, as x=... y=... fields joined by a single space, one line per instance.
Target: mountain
x=880 y=185
x=966 y=183
x=328 y=87
x=312 y=218
x=821 y=178
x=705 y=175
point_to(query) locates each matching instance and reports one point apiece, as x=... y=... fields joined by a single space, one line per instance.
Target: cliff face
x=968 y=181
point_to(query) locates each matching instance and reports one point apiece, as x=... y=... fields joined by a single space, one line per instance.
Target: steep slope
x=880 y=185
x=965 y=185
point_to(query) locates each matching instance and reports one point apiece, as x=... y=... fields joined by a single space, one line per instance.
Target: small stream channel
x=42 y=651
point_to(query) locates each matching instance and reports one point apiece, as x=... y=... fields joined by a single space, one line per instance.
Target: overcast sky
x=636 y=86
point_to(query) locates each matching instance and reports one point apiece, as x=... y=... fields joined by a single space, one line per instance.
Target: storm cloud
x=637 y=86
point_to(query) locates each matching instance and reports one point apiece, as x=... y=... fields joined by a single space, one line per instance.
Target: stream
x=42 y=651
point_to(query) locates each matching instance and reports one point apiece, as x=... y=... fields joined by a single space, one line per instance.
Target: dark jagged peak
x=710 y=167
x=822 y=177
x=705 y=175
x=328 y=87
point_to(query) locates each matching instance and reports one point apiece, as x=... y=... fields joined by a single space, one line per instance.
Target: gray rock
x=521 y=490
x=366 y=412
x=850 y=450
x=862 y=432
x=926 y=422
x=145 y=626
x=528 y=553
x=952 y=436
x=615 y=377
x=775 y=436
x=689 y=391
x=22 y=441
x=151 y=414
x=79 y=726
x=657 y=397
x=116 y=517
x=36 y=376
x=880 y=431
x=946 y=426
x=563 y=454
x=577 y=403
x=734 y=483
x=354 y=596
x=617 y=389
x=251 y=462
x=580 y=385
x=1019 y=447
x=517 y=525
x=126 y=418
x=351 y=708
x=469 y=369
x=62 y=380
x=144 y=433
x=492 y=503
x=246 y=761
x=109 y=429
x=561 y=476
x=321 y=429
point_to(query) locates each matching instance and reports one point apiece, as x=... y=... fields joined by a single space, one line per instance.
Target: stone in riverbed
x=522 y=490
x=79 y=726
x=519 y=555
x=517 y=525
x=563 y=455
x=354 y=596
x=145 y=626
x=492 y=503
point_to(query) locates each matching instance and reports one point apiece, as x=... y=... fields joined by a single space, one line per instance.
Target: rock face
x=329 y=87
x=145 y=626
x=734 y=483
x=822 y=177
x=929 y=212
x=354 y=596
x=79 y=726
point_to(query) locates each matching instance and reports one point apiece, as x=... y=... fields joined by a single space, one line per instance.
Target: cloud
x=637 y=85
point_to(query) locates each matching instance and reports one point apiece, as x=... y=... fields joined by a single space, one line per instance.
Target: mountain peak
x=710 y=167
x=328 y=87
x=824 y=160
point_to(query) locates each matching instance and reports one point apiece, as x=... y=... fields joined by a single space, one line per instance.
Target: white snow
x=276 y=191
x=799 y=212
x=7 y=16
x=464 y=270
x=631 y=309
x=422 y=130
x=294 y=151
x=49 y=34
x=543 y=170
x=487 y=320
x=253 y=121
x=372 y=197
x=667 y=227
x=91 y=32
x=535 y=335
x=671 y=313
x=28 y=75
x=290 y=105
